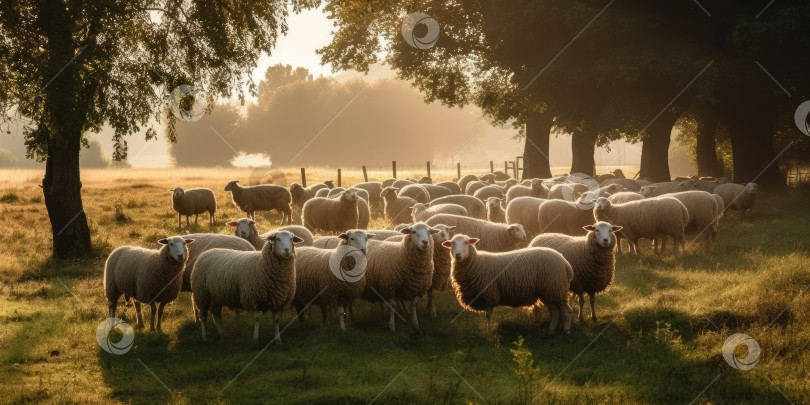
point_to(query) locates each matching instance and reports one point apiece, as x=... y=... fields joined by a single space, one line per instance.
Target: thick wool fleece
x=398 y=209
x=397 y=270
x=421 y=212
x=415 y=191
x=646 y=218
x=264 y=197
x=494 y=237
x=475 y=207
x=301 y=194
x=331 y=215
x=204 y=242
x=147 y=275
x=593 y=264
x=315 y=281
x=558 y=216
x=195 y=201
x=524 y=211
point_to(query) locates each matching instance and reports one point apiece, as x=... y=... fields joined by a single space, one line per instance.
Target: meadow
x=658 y=340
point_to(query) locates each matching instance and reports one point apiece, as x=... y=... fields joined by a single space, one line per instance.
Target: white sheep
x=416 y=191
x=487 y=192
x=258 y=281
x=496 y=210
x=702 y=208
x=474 y=186
x=628 y=184
x=737 y=196
x=625 y=196
x=334 y=215
x=373 y=188
x=475 y=207
x=524 y=211
x=397 y=209
x=421 y=212
x=450 y=185
x=483 y=280
x=331 y=242
x=146 y=275
x=658 y=189
x=500 y=237
x=246 y=229
x=649 y=218
x=591 y=256
x=264 y=197
x=568 y=217
x=535 y=189
x=301 y=194
x=194 y=201
x=206 y=241
x=567 y=191
x=464 y=180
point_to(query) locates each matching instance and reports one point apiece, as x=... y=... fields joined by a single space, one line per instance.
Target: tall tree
x=71 y=66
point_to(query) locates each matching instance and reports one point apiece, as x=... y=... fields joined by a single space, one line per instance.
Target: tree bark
x=62 y=191
x=535 y=151
x=752 y=145
x=706 y=147
x=655 y=148
x=583 y=144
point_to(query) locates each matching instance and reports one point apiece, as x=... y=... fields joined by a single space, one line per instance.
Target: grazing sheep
x=415 y=191
x=301 y=194
x=488 y=178
x=495 y=210
x=400 y=271
x=258 y=281
x=464 y=180
x=536 y=189
x=246 y=229
x=649 y=218
x=323 y=193
x=484 y=280
x=207 y=241
x=335 y=191
x=387 y=182
x=567 y=217
x=667 y=187
x=500 y=237
x=474 y=186
x=194 y=201
x=450 y=185
x=485 y=193
x=738 y=197
x=567 y=191
x=397 y=209
x=524 y=211
x=332 y=215
x=624 y=197
x=373 y=188
x=146 y=275
x=628 y=184
x=421 y=212
x=702 y=208
x=435 y=191
x=475 y=207
x=316 y=283
x=591 y=256
x=264 y=197
x=398 y=184
x=425 y=180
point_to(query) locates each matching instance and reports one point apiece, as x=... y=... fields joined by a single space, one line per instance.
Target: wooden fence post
x=428 y=168
x=365 y=174
x=339 y=178
x=394 y=167
x=458 y=169
x=491 y=166
x=304 y=177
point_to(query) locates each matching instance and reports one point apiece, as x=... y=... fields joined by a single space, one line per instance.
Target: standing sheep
x=194 y=201
x=702 y=208
x=254 y=281
x=464 y=180
x=474 y=186
x=591 y=257
x=421 y=212
x=300 y=194
x=146 y=275
x=332 y=215
x=495 y=210
x=567 y=217
x=737 y=196
x=204 y=242
x=475 y=207
x=536 y=189
x=397 y=209
x=567 y=191
x=450 y=185
x=484 y=280
x=264 y=197
x=649 y=218
x=373 y=188
x=415 y=191
x=524 y=211
x=487 y=192
x=246 y=229
x=436 y=191
x=500 y=237
x=624 y=197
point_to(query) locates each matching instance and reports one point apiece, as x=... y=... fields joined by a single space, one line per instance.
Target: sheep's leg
x=112 y=305
x=414 y=321
x=554 y=312
x=489 y=319
x=431 y=304
x=153 y=307
x=187 y=223
x=138 y=314
x=160 y=316
x=593 y=309
x=276 y=322
x=216 y=311
x=566 y=315
x=392 y=325
x=581 y=297
x=342 y=316
x=179 y=218
x=203 y=320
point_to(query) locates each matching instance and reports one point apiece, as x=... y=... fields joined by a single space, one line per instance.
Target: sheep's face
x=349 y=195
x=460 y=247
x=445 y=232
x=602 y=203
x=603 y=233
x=282 y=242
x=177 y=193
x=493 y=203
x=176 y=247
x=517 y=232
x=357 y=239
x=647 y=191
x=231 y=185
x=243 y=228
x=420 y=235
x=389 y=192
x=751 y=188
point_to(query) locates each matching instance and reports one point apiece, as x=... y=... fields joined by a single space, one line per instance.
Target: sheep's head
x=176 y=247
x=460 y=246
x=349 y=196
x=329 y=184
x=243 y=227
x=517 y=232
x=177 y=192
x=602 y=203
x=426 y=180
x=296 y=188
x=356 y=238
x=494 y=203
x=445 y=233
x=618 y=173
x=751 y=188
x=420 y=235
x=647 y=191
x=282 y=243
x=389 y=191
x=231 y=185
x=603 y=233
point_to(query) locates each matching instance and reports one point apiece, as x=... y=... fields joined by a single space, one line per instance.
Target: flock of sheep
x=491 y=239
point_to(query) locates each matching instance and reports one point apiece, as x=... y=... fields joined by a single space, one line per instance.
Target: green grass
x=658 y=339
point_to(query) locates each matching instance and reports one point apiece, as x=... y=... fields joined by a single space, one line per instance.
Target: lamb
x=373 y=188
x=246 y=229
x=536 y=189
x=702 y=208
x=207 y=241
x=147 y=275
x=436 y=191
x=332 y=215
x=567 y=191
x=450 y=185
x=474 y=186
x=558 y=216
x=300 y=194
x=483 y=280
x=397 y=209
x=500 y=237
x=193 y=201
x=421 y=212
x=737 y=196
x=475 y=207
x=628 y=184
x=658 y=189
x=485 y=193
x=400 y=271
x=320 y=281
x=495 y=210
x=591 y=257
x=415 y=191
x=464 y=180
x=257 y=281
x=264 y=197
x=649 y=218
x=624 y=197
x=524 y=211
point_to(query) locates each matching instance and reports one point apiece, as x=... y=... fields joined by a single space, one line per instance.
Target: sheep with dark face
x=194 y=201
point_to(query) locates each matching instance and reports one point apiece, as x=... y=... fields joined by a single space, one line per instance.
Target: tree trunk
x=752 y=146
x=535 y=151
x=655 y=148
x=706 y=147
x=583 y=144
x=62 y=191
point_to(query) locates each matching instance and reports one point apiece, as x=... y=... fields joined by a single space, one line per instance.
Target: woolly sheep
x=591 y=257
x=332 y=215
x=702 y=208
x=373 y=188
x=194 y=201
x=649 y=218
x=246 y=229
x=737 y=196
x=400 y=271
x=387 y=183
x=421 y=212
x=257 y=281
x=363 y=210
x=436 y=191
x=536 y=189
x=324 y=192
x=401 y=183
x=415 y=191
x=331 y=242
x=567 y=217
x=484 y=193
x=475 y=207
x=488 y=178
x=616 y=174
x=301 y=194
x=568 y=191
x=524 y=211
x=624 y=197
x=658 y=189
x=483 y=280
x=495 y=210
x=474 y=186
x=335 y=191
x=707 y=186
x=147 y=275
x=397 y=209
x=425 y=180
x=500 y=237
x=207 y=241
x=450 y=185
x=315 y=282
x=464 y=180
x=264 y=197
x=628 y=184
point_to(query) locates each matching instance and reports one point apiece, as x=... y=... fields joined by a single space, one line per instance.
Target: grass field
x=658 y=340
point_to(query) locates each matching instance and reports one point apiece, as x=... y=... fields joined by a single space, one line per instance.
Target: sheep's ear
x=448 y=244
x=616 y=228
x=451 y=229
x=189 y=241
x=297 y=239
x=370 y=236
x=232 y=224
x=473 y=241
x=271 y=237
x=343 y=236
x=252 y=222
x=406 y=231
x=163 y=241
x=433 y=231
x=588 y=227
